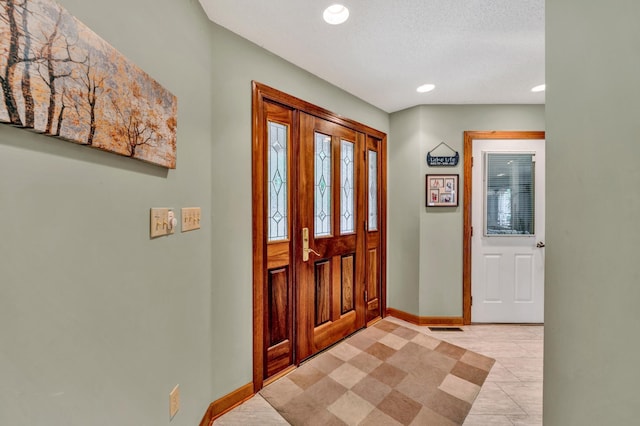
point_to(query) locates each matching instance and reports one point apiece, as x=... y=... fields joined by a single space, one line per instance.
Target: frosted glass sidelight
x=278 y=222
x=322 y=163
x=347 y=199
x=510 y=194
x=373 y=190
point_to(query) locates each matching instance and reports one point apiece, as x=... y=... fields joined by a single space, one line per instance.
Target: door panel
x=347 y=283
x=373 y=306
x=507 y=266
x=331 y=281
x=278 y=335
x=278 y=300
x=278 y=290
x=323 y=291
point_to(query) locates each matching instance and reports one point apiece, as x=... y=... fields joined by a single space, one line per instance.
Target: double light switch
x=164 y=222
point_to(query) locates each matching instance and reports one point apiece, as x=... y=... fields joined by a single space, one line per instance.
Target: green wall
x=98 y=322
x=404 y=184
x=425 y=245
x=593 y=205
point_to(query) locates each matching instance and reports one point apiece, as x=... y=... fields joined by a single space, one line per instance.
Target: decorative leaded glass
x=347 y=199
x=373 y=190
x=277 y=169
x=322 y=209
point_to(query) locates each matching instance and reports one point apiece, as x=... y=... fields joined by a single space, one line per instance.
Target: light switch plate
x=160 y=223
x=190 y=218
x=174 y=401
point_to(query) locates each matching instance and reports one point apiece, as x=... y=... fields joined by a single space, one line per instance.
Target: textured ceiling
x=474 y=51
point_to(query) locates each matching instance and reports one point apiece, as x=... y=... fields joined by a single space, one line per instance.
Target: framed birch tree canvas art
x=59 y=78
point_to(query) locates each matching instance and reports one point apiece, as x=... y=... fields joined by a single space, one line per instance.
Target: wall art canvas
x=59 y=78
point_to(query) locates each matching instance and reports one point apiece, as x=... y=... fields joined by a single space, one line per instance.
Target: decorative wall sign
x=443 y=161
x=442 y=190
x=59 y=78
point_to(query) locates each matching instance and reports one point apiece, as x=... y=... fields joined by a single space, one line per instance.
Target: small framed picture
x=437 y=183
x=448 y=185
x=446 y=198
x=442 y=190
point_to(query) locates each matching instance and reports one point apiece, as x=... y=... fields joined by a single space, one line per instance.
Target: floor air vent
x=445 y=329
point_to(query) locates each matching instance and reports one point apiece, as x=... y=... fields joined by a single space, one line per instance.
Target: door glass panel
x=373 y=190
x=322 y=209
x=277 y=168
x=347 y=199
x=510 y=194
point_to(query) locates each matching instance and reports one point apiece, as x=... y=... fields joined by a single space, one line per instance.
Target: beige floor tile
x=486 y=420
x=254 y=412
x=528 y=395
x=500 y=374
x=526 y=420
x=499 y=350
x=535 y=348
x=525 y=369
x=493 y=400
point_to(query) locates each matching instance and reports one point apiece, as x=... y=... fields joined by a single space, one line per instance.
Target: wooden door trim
x=469 y=137
x=260 y=94
x=265 y=92
x=258 y=239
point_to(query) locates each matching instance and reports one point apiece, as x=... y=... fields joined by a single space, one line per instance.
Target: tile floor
x=511 y=395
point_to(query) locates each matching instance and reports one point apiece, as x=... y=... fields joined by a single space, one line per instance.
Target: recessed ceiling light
x=426 y=88
x=540 y=88
x=335 y=14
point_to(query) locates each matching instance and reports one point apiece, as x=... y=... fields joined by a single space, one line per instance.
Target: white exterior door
x=507 y=246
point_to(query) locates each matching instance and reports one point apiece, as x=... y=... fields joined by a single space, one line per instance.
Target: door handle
x=540 y=244
x=305 y=246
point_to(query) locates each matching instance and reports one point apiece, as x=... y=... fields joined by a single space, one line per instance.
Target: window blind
x=510 y=194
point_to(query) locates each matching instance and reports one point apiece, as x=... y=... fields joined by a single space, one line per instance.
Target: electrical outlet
x=190 y=218
x=174 y=401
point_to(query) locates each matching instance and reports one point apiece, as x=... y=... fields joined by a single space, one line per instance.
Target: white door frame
x=469 y=137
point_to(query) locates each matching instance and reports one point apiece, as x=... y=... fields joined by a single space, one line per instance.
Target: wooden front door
x=330 y=222
x=318 y=230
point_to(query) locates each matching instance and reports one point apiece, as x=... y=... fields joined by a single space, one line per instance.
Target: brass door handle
x=305 y=246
